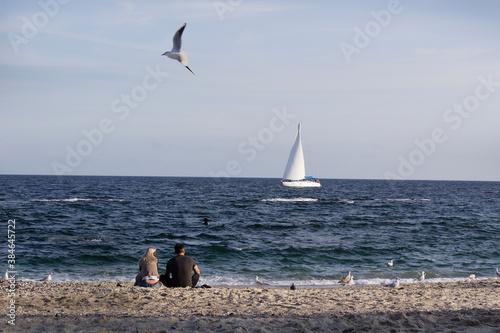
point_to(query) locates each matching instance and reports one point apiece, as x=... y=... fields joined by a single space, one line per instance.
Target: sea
x=96 y=228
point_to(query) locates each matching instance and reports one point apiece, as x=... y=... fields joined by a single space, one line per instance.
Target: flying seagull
x=390 y=263
x=176 y=53
x=394 y=284
x=346 y=278
x=260 y=283
x=48 y=278
x=421 y=278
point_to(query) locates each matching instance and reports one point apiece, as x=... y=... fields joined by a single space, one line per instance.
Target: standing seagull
x=260 y=283
x=177 y=53
x=346 y=278
x=5 y=277
x=394 y=284
x=421 y=278
x=350 y=282
x=48 y=278
x=498 y=273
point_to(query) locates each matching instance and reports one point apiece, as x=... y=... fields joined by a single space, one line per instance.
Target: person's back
x=148 y=270
x=181 y=268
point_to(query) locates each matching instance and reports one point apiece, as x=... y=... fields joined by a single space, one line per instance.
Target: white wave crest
x=60 y=200
x=289 y=200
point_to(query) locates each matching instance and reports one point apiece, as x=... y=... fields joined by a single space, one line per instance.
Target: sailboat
x=295 y=171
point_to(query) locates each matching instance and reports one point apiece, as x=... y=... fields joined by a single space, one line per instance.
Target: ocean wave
x=408 y=199
x=347 y=201
x=290 y=200
x=228 y=281
x=60 y=200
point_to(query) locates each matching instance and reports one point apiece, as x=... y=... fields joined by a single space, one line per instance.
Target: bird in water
x=346 y=278
x=176 y=53
x=390 y=263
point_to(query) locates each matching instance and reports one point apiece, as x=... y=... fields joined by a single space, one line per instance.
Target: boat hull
x=301 y=183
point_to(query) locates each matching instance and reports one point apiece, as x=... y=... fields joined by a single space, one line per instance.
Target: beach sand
x=467 y=306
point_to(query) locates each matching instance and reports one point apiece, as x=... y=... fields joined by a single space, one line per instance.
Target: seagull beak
x=190 y=70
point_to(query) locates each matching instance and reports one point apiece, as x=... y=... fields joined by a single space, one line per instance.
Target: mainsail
x=295 y=167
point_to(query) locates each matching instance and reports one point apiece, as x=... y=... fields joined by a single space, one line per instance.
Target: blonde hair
x=149 y=255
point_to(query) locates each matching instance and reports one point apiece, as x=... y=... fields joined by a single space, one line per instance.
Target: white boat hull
x=301 y=183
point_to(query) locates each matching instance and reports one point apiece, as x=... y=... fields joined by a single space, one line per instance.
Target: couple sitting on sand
x=180 y=267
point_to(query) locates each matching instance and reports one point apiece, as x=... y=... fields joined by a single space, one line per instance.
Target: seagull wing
x=260 y=283
x=345 y=278
x=177 y=39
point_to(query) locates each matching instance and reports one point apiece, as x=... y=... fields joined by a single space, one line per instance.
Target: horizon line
x=249 y=177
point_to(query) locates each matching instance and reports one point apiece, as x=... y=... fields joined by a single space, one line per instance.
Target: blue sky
x=384 y=89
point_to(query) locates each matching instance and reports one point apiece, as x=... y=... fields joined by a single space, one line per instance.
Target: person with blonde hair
x=148 y=270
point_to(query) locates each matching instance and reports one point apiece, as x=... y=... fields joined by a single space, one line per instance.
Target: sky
x=384 y=89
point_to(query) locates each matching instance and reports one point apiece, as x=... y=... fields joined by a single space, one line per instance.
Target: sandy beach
x=467 y=306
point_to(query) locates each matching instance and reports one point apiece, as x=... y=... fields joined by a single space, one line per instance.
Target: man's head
x=179 y=248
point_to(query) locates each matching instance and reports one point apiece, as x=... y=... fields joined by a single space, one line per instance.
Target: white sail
x=295 y=171
x=295 y=167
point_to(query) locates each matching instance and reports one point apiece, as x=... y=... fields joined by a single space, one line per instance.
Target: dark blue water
x=96 y=228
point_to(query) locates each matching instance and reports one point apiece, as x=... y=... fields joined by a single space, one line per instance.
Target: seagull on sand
x=390 y=263
x=472 y=276
x=260 y=283
x=48 y=278
x=292 y=287
x=346 y=278
x=350 y=282
x=394 y=284
x=5 y=277
x=176 y=53
x=498 y=273
x=421 y=278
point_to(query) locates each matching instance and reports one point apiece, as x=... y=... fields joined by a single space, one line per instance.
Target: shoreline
x=110 y=306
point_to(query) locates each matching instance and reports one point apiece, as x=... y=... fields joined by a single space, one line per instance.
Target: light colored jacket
x=147 y=269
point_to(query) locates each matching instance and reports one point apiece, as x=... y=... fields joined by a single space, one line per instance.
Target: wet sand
x=467 y=306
